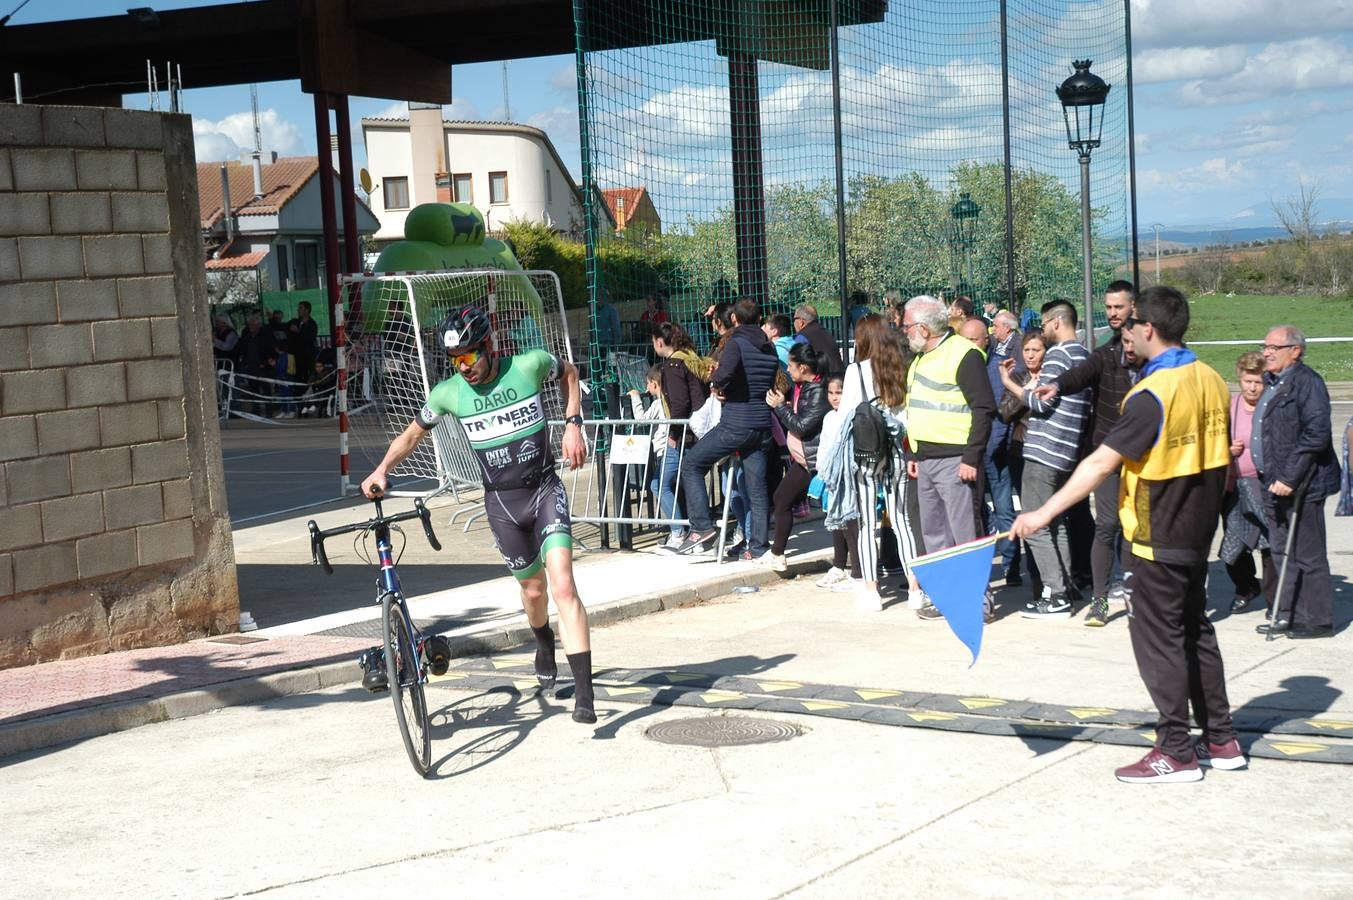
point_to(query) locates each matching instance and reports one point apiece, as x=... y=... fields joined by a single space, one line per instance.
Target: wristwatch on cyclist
x=574 y=420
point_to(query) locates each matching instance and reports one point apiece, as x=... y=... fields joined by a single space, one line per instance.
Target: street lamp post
x=965 y=213
x=1083 y=96
x=1157 y=227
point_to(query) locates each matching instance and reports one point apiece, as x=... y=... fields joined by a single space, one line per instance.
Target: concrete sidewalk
x=313 y=626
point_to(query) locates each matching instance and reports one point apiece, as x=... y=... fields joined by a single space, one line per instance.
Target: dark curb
x=41 y=732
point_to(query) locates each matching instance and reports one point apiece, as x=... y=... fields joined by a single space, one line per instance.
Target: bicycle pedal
x=438 y=652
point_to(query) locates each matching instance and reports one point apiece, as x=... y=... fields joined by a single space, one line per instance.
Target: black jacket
x=826 y=348
x=1107 y=373
x=684 y=393
x=1296 y=434
x=806 y=424
x=747 y=368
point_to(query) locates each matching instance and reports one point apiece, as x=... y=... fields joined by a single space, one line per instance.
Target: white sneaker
x=1117 y=593
x=848 y=585
x=774 y=562
x=867 y=600
x=833 y=576
x=917 y=600
x=673 y=542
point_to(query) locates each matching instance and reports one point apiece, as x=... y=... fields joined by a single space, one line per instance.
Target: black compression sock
x=546 y=668
x=581 y=664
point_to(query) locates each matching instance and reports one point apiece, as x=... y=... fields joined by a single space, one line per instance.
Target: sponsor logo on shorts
x=499 y=457
x=528 y=452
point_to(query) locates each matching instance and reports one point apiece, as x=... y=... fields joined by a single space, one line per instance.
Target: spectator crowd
x=941 y=423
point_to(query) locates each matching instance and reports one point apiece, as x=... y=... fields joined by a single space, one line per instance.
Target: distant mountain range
x=1254 y=223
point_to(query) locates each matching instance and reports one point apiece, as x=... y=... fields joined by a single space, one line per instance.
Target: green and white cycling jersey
x=504 y=419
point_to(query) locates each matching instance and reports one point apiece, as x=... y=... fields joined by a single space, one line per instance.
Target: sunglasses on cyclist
x=467 y=358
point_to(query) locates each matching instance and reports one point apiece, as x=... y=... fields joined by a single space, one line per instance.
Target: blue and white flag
x=956 y=581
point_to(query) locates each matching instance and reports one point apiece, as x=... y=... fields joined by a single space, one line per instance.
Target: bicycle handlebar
x=317 y=535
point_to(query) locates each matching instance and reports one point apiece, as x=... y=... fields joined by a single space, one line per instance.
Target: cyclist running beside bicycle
x=496 y=399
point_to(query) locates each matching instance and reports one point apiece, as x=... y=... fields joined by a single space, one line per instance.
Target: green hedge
x=631 y=267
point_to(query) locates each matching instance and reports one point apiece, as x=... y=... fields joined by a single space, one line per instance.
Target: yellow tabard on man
x=1194 y=437
x=937 y=411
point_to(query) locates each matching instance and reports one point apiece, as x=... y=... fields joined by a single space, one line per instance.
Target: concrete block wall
x=113 y=523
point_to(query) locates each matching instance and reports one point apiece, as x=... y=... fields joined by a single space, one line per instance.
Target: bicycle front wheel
x=404 y=670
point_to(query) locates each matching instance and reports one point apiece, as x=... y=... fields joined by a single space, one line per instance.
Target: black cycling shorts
x=528 y=522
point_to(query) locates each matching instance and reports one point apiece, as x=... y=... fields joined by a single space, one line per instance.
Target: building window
x=549 y=187
x=283 y=267
x=497 y=187
x=463 y=188
x=307 y=265
x=396 y=193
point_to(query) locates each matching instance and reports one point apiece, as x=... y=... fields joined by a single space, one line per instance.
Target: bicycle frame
x=388 y=586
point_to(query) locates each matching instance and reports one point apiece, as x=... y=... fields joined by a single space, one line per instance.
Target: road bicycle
x=408 y=653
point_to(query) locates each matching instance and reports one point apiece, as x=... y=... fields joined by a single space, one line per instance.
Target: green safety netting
x=709 y=153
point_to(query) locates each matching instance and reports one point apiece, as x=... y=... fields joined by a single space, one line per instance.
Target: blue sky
x=1236 y=101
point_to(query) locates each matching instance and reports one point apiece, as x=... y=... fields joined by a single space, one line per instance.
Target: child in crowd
x=655 y=410
x=845 y=541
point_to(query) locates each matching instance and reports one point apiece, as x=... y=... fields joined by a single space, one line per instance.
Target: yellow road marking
x=815 y=705
x=1086 y=712
x=876 y=694
x=980 y=702
x=1295 y=749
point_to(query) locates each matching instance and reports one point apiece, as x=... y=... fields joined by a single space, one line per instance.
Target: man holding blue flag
x=1172 y=447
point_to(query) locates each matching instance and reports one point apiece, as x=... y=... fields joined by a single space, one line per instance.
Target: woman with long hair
x=878 y=375
x=800 y=414
x=1014 y=412
x=684 y=379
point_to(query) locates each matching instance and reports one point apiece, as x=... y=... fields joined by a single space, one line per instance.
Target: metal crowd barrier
x=603 y=491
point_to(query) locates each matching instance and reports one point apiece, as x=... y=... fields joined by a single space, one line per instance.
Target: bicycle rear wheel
x=404 y=670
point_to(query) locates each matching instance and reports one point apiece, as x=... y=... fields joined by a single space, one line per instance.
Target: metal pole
x=1085 y=252
x=329 y=212
x=843 y=334
x=1011 y=302
x=18 y=89
x=1132 y=142
x=1157 y=228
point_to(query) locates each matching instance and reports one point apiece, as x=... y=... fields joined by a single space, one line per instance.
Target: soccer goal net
x=395 y=357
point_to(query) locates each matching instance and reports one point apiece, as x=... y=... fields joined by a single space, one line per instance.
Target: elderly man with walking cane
x=1293 y=451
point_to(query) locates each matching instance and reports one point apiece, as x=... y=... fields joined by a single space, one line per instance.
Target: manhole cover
x=722 y=731
x=236 y=639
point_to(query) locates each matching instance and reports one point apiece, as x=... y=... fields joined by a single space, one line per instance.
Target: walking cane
x=1298 y=496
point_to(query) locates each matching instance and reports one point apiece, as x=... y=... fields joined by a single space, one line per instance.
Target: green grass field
x=1243 y=317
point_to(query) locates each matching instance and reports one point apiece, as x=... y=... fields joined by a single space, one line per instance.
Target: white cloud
x=565 y=79
x=1277 y=70
x=1176 y=64
x=233 y=136
x=1210 y=175
x=560 y=123
x=1237 y=137
x=1215 y=23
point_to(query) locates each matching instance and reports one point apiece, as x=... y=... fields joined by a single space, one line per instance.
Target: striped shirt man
x=1055 y=426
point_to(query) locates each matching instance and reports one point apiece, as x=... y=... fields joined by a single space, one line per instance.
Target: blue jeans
x=669 y=505
x=1000 y=486
x=735 y=486
x=753 y=447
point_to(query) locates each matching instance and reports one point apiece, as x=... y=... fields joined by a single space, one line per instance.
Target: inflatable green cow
x=446 y=237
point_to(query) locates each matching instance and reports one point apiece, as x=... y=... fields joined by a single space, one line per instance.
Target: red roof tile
x=281 y=181
x=242 y=260
x=630 y=196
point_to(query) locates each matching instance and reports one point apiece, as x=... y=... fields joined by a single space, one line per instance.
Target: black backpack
x=871 y=434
